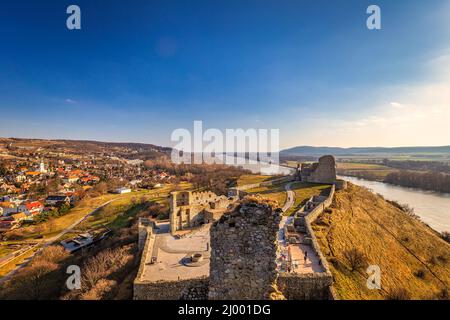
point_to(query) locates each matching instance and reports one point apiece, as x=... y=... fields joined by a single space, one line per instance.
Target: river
x=258 y=167
x=433 y=208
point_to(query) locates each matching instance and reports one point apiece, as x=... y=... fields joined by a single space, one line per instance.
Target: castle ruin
x=323 y=171
x=214 y=247
x=191 y=209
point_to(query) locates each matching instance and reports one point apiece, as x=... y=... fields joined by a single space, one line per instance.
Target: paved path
x=296 y=251
x=290 y=197
x=46 y=243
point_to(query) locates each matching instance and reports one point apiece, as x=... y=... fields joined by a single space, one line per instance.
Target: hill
x=337 y=151
x=79 y=147
x=414 y=260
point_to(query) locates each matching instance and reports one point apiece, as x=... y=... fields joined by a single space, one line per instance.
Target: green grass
x=364 y=170
x=276 y=193
x=115 y=215
x=303 y=191
x=253 y=178
x=119 y=213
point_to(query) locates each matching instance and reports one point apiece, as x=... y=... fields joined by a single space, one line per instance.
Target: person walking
x=305 y=256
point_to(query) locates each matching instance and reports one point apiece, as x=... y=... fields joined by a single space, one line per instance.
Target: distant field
x=364 y=170
x=400 y=157
x=359 y=166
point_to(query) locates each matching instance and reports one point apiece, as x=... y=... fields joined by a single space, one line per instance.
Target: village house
x=71 y=179
x=122 y=190
x=57 y=200
x=31 y=209
x=8 y=208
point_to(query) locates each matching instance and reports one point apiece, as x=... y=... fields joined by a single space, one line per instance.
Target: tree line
x=433 y=166
x=434 y=181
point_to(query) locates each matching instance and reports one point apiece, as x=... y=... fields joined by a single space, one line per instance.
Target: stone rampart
x=243 y=253
x=311 y=286
x=171 y=290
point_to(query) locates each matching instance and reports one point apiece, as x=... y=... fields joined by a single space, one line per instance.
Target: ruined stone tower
x=323 y=171
x=243 y=252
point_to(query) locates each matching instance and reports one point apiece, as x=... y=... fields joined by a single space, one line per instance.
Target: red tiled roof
x=34 y=205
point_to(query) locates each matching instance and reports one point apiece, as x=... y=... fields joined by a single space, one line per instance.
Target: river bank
x=432 y=207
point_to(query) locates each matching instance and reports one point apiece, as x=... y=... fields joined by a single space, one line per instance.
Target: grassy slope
x=253 y=178
x=399 y=244
x=303 y=191
x=115 y=215
x=276 y=193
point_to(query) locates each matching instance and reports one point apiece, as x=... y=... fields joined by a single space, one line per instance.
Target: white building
x=42 y=167
x=122 y=190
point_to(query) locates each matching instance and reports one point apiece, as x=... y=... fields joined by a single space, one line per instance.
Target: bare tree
x=355 y=258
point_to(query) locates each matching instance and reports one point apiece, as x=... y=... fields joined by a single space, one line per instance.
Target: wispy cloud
x=414 y=114
x=70 y=101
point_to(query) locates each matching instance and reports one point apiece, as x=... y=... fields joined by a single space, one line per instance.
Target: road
x=45 y=243
x=287 y=205
x=290 y=197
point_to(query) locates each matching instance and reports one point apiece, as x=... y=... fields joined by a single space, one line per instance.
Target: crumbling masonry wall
x=312 y=286
x=243 y=253
x=191 y=289
x=189 y=209
x=323 y=171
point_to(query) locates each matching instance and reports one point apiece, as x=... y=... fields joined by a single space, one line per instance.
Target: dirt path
x=290 y=197
x=46 y=243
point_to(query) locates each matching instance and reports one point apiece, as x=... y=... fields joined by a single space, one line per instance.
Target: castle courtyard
x=168 y=258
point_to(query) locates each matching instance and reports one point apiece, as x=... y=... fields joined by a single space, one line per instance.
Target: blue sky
x=140 y=69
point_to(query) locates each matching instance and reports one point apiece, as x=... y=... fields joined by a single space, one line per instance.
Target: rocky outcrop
x=198 y=291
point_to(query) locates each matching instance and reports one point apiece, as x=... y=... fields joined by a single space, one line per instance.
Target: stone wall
x=145 y=228
x=192 y=289
x=313 y=286
x=243 y=253
x=340 y=184
x=310 y=218
x=189 y=209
